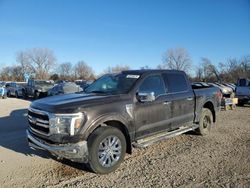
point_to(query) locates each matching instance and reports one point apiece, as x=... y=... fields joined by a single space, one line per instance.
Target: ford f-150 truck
x=119 y=111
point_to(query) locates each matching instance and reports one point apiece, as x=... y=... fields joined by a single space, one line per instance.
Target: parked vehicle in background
x=132 y=108
x=200 y=84
x=38 y=88
x=229 y=85
x=15 y=89
x=82 y=83
x=226 y=91
x=243 y=91
x=3 y=91
x=64 y=88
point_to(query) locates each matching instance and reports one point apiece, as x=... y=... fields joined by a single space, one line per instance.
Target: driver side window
x=154 y=84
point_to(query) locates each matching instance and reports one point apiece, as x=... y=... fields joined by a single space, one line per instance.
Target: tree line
x=41 y=63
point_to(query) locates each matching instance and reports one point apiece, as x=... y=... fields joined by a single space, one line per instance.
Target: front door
x=154 y=116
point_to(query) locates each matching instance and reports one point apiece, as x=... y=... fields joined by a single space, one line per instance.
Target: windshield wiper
x=97 y=91
x=103 y=92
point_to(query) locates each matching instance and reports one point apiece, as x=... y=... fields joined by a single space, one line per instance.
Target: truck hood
x=71 y=103
x=44 y=88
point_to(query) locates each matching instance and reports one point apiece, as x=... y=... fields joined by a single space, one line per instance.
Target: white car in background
x=226 y=91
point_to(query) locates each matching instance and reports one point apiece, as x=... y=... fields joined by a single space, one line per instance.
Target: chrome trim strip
x=39 y=124
x=39 y=111
x=42 y=121
x=39 y=132
x=42 y=125
x=39 y=120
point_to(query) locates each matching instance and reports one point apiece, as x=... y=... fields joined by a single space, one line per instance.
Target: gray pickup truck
x=37 y=88
x=243 y=91
x=119 y=111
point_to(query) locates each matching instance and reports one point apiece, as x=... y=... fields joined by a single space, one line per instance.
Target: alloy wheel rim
x=109 y=151
x=206 y=122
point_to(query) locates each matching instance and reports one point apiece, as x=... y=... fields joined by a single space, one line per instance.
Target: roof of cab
x=143 y=71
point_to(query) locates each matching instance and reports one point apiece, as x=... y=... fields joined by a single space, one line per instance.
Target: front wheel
x=36 y=95
x=107 y=148
x=205 y=123
x=16 y=94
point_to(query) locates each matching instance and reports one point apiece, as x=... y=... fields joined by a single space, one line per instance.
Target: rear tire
x=107 y=148
x=205 y=123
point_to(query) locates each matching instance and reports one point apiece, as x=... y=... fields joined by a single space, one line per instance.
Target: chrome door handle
x=190 y=98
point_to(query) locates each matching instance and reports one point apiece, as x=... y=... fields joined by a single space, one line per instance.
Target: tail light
x=219 y=95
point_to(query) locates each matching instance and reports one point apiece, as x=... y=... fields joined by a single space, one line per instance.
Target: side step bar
x=163 y=136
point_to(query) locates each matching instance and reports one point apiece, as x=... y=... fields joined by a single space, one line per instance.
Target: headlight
x=68 y=124
x=224 y=91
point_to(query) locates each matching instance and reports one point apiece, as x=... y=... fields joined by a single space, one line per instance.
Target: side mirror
x=146 y=97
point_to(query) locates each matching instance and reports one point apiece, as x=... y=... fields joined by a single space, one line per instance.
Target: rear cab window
x=175 y=82
x=243 y=82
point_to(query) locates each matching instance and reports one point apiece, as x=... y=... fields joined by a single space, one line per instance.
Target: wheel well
x=209 y=105
x=124 y=130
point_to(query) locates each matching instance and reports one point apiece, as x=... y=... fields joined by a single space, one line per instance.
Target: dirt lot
x=219 y=160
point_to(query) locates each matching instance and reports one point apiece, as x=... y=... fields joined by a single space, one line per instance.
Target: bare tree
x=37 y=60
x=234 y=68
x=11 y=73
x=209 y=69
x=145 y=67
x=65 y=70
x=177 y=59
x=83 y=71
x=23 y=59
x=199 y=74
x=245 y=66
x=116 y=69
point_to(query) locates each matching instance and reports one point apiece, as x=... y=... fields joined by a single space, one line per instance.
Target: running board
x=163 y=136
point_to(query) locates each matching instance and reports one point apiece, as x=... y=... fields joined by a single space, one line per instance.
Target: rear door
x=30 y=87
x=13 y=88
x=183 y=100
x=155 y=116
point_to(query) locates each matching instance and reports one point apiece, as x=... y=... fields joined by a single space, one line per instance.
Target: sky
x=107 y=33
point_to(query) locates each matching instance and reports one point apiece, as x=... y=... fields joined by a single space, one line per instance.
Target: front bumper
x=77 y=152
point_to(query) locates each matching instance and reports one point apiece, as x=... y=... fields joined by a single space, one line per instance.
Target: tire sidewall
x=93 y=144
x=205 y=113
x=36 y=95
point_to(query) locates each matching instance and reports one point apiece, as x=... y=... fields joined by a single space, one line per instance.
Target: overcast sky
x=135 y=33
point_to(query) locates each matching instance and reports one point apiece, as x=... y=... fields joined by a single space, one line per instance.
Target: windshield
x=113 y=84
x=43 y=82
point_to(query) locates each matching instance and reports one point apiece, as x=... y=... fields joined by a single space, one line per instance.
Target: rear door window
x=176 y=82
x=243 y=82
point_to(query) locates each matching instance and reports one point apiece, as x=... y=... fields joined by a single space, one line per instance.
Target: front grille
x=38 y=121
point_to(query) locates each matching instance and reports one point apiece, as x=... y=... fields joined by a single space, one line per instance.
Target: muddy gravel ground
x=221 y=159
